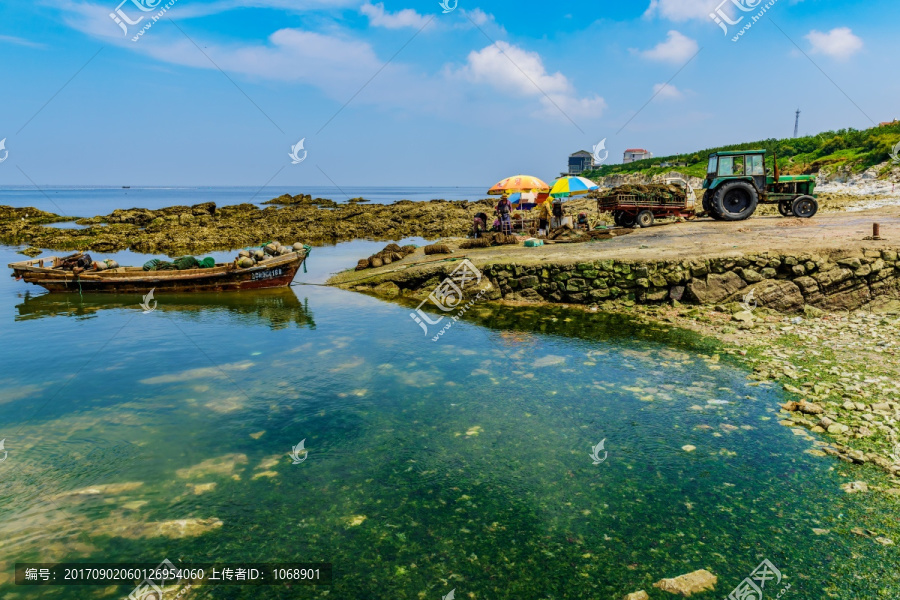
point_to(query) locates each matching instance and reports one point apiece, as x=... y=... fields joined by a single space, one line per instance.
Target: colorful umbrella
x=518 y=183
x=571 y=186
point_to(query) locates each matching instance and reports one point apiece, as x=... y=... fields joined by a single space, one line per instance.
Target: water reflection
x=277 y=308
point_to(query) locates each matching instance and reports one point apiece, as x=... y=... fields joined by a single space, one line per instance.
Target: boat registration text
x=268 y=274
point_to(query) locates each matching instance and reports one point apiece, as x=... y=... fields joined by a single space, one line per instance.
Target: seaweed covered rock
x=204 y=209
x=437 y=249
x=134 y=216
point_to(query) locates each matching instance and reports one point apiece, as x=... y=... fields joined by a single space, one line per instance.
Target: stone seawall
x=785 y=283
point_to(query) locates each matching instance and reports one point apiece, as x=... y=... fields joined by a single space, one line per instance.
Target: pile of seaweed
x=391 y=253
x=493 y=238
x=660 y=193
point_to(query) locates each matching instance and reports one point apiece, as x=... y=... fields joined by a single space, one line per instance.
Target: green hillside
x=858 y=150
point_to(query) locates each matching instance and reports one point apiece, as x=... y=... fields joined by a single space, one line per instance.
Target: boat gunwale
x=138 y=273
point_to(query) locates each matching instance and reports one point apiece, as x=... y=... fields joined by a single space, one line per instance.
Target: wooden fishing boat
x=276 y=271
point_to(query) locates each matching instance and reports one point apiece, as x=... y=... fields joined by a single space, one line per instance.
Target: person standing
x=558 y=214
x=544 y=217
x=504 y=212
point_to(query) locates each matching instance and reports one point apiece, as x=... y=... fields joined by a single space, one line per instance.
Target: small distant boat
x=126 y=187
x=274 y=272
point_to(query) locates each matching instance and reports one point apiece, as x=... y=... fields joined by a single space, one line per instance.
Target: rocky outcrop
x=688 y=584
x=178 y=230
x=779 y=282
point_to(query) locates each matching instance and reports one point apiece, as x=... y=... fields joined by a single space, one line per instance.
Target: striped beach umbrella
x=572 y=186
x=518 y=183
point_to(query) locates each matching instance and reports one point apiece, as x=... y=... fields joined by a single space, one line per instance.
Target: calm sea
x=91 y=201
x=530 y=453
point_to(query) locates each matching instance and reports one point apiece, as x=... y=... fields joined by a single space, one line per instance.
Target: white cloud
x=378 y=17
x=511 y=69
x=839 y=43
x=478 y=16
x=338 y=62
x=668 y=91
x=20 y=41
x=677 y=48
x=681 y=10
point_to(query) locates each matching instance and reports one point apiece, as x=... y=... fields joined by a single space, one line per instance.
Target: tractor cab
x=747 y=165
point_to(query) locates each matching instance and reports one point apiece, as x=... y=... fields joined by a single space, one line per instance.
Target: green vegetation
x=858 y=150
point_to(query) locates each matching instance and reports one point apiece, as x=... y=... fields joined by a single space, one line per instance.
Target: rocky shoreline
x=201 y=228
x=840 y=371
x=783 y=282
x=179 y=230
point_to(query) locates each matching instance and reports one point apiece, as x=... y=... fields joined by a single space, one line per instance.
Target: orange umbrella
x=518 y=183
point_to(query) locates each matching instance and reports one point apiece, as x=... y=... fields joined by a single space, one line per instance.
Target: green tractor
x=736 y=182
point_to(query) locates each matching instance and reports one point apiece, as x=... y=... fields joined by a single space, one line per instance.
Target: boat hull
x=275 y=273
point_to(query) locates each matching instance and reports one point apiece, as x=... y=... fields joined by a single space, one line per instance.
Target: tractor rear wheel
x=735 y=201
x=805 y=207
x=785 y=207
x=645 y=218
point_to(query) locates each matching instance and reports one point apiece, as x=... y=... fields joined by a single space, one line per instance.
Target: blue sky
x=216 y=92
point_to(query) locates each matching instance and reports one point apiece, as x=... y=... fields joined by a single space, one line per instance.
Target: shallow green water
x=468 y=458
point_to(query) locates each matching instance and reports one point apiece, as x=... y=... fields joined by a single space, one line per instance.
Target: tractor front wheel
x=707 y=203
x=805 y=207
x=735 y=201
x=785 y=207
x=645 y=218
x=708 y=207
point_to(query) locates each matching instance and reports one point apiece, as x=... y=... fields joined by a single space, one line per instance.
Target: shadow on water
x=277 y=308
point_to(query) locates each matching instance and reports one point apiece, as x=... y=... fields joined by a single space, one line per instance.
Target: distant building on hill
x=633 y=154
x=889 y=123
x=579 y=162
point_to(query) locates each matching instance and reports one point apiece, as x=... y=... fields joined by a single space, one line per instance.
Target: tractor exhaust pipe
x=775 y=165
